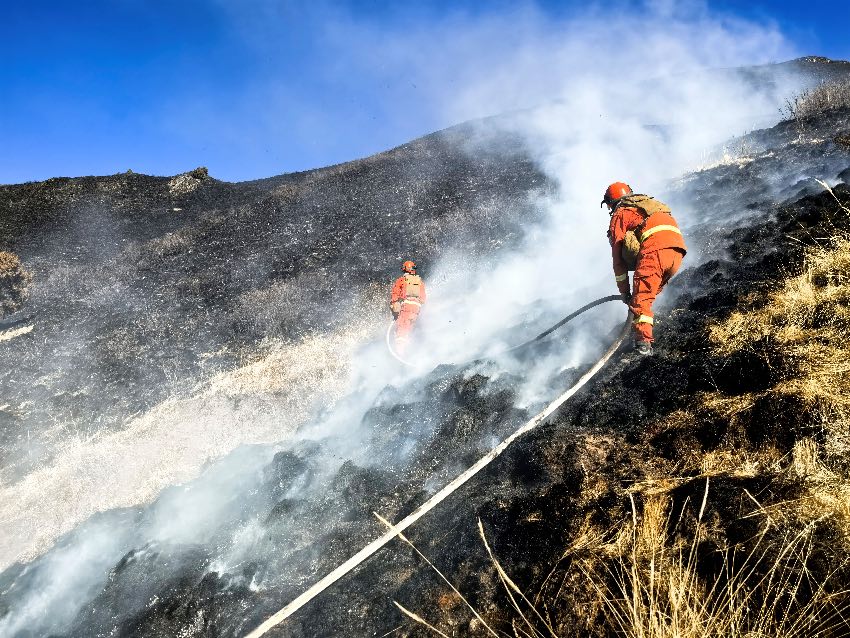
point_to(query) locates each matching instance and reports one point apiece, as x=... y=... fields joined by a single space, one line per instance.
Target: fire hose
x=458 y=481
x=525 y=344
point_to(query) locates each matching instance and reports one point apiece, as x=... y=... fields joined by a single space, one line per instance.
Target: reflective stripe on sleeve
x=619 y=278
x=415 y=303
x=644 y=319
x=655 y=229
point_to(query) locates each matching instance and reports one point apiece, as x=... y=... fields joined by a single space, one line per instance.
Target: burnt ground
x=139 y=286
x=177 y=276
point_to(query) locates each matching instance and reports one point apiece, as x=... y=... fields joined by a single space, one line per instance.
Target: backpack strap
x=645 y=205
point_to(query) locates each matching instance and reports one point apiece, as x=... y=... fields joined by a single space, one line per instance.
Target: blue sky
x=254 y=88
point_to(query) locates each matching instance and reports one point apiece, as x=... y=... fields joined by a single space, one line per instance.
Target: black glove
x=395 y=316
x=626 y=297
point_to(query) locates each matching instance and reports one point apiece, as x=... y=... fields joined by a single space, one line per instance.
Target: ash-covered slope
x=144 y=284
x=127 y=311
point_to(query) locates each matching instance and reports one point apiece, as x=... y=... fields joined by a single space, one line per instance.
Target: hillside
x=185 y=321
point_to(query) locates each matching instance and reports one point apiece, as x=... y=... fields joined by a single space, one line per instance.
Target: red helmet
x=615 y=191
x=409 y=266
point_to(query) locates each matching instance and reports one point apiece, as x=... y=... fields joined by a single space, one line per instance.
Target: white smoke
x=619 y=93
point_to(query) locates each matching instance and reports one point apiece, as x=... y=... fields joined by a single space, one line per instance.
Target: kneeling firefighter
x=645 y=238
x=407 y=298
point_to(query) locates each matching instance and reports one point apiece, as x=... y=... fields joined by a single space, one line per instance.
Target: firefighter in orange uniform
x=642 y=229
x=407 y=298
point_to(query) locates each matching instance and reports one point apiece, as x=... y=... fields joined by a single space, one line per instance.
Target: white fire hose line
x=390 y=346
x=437 y=498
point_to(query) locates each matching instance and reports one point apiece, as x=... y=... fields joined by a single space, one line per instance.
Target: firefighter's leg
x=670 y=260
x=647 y=282
x=404 y=326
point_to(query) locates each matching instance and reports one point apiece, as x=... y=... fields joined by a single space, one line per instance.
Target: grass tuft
x=802 y=108
x=808 y=321
x=654 y=588
x=14 y=283
x=648 y=578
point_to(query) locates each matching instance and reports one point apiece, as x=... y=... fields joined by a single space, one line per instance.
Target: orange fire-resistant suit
x=406 y=300
x=661 y=251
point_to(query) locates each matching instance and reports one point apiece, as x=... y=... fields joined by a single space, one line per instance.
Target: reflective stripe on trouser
x=652 y=272
x=404 y=325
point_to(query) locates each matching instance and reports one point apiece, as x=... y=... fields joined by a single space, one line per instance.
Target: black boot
x=643 y=347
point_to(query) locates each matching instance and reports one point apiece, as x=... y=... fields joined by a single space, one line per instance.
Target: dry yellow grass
x=9 y=263
x=808 y=319
x=647 y=582
x=646 y=578
x=652 y=587
x=653 y=590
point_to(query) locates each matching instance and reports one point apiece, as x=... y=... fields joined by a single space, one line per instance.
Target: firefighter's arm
x=616 y=236
x=396 y=296
x=422 y=296
x=398 y=291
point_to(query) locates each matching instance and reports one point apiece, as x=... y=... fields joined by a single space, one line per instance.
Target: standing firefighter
x=645 y=238
x=407 y=298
